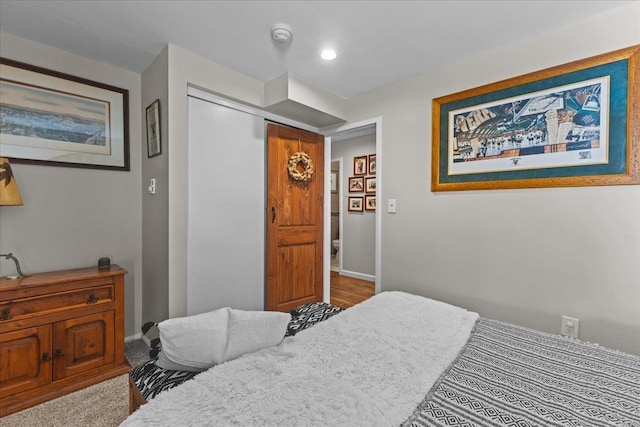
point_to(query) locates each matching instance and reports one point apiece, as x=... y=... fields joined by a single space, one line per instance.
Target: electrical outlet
x=570 y=327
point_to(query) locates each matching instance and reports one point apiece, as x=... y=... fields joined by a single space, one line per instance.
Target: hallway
x=347 y=291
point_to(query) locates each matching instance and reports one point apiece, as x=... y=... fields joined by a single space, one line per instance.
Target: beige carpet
x=101 y=405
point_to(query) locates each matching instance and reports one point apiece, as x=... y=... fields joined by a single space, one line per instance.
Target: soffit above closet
x=291 y=97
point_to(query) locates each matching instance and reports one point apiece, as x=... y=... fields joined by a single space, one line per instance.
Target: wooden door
x=25 y=359
x=294 y=220
x=83 y=343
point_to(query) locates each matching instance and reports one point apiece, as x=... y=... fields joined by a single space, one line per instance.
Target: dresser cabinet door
x=82 y=344
x=25 y=359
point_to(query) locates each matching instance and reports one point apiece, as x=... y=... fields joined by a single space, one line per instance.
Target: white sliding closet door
x=226 y=208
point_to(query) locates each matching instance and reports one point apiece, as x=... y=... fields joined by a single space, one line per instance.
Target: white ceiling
x=378 y=42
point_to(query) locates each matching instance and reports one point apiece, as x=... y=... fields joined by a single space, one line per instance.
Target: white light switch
x=152 y=186
x=391 y=205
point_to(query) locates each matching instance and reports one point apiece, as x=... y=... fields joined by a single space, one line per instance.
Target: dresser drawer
x=25 y=307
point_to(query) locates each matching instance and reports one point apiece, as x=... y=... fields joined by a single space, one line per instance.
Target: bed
x=148 y=380
x=401 y=359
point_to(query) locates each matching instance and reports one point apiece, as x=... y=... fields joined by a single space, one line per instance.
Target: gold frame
x=632 y=140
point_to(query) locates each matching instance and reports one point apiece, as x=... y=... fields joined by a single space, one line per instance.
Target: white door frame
x=340 y=210
x=377 y=121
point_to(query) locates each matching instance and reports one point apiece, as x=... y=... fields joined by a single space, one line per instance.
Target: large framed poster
x=572 y=125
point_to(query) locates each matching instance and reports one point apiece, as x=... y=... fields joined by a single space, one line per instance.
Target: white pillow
x=165 y=363
x=251 y=331
x=198 y=341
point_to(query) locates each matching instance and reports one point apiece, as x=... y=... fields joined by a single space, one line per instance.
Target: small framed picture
x=369 y=203
x=154 y=145
x=372 y=164
x=370 y=184
x=360 y=165
x=355 y=204
x=334 y=181
x=356 y=184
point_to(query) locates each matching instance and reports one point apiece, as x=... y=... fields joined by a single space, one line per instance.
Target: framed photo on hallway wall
x=370 y=184
x=372 y=164
x=576 y=124
x=360 y=165
x=370 y=203
x=356 y=184
x=356 y=204
x=334 y=181
x=58 y=119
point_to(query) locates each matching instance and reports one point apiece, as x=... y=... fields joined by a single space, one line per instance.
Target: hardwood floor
x=347 y=291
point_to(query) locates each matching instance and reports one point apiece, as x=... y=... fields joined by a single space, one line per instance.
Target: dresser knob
x=6 y=314
x=92 y=299
x=45 y=357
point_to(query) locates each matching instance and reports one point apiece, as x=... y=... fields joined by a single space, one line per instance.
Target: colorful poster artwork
x=558 y=127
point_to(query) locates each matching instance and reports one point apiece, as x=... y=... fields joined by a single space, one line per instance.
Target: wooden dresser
x=59 y=332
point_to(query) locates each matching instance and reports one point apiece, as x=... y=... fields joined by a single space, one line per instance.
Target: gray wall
x=155 y=207
x=549 y=251
x=357 y=236
x=71 y=217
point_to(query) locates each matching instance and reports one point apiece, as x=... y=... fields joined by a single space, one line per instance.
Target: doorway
x=336 y=192
x=357 y=251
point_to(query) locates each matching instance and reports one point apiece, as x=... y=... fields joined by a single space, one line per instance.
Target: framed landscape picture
x=572 y=125
x=58 y=119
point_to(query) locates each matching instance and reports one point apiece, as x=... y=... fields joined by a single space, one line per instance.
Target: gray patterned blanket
x=513 y=376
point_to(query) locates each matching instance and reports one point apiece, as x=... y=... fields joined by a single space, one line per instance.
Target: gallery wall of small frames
x=363 y=181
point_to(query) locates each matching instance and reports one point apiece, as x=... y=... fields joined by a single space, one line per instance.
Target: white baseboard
x=133 y=337
x=356 y=275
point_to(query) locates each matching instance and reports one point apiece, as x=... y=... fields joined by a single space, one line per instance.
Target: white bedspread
x=370 y=365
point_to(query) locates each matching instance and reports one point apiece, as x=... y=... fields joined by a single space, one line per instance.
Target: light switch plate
x=391 y=205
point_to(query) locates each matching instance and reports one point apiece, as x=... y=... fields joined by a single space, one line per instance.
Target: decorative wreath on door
x=300 y=158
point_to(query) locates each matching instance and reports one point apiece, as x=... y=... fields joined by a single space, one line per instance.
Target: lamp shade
x=9 y=192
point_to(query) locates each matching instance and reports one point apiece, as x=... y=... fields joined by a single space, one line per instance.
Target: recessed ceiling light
x=328 y=54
